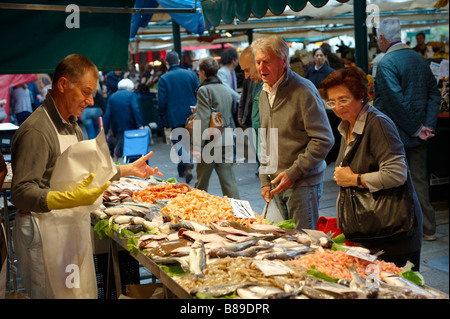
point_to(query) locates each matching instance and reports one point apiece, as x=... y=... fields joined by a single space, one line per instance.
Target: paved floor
x=435 y=255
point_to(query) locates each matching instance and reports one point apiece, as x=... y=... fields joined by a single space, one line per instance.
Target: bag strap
x=352 y=151
x=211 y=99
x=358 y=139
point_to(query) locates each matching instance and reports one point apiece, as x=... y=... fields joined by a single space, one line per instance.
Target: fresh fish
x=221 y=289
x=191 y=225
x=122 y=219
x=131 y=227
x=267 y=228
x=197 y=259
x=362 y=284
x=304 y=239
x=171 y=260
x=117 y=210
x=229 y=229
x=257 y=292
x=342 y=292
x=166 y=228
x=166 y=248
x=151 y=226
x=288 y=254
x=240 y=245
x=99 y=214
x=184 y=225
x=206 y=238
x=249 y=252
x=398 y=281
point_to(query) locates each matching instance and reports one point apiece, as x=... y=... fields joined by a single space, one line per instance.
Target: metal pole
x=361 y=41
x=176 y=38
x=40 y=7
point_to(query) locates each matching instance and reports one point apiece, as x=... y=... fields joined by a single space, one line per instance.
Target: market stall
x=204 y=246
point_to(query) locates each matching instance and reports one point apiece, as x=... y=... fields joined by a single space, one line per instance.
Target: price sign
x=241 y=208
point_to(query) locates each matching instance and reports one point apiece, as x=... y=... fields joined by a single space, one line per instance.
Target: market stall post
x=176 y=37
x=361 y=41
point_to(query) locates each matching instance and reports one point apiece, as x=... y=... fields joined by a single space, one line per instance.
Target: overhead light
x=228 y=34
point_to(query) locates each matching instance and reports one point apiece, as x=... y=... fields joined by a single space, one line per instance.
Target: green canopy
x=34 y=41
x=227 y=10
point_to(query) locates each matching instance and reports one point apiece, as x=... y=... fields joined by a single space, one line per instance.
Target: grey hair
x=274 y=42
x=126 y=84
x=391 y=29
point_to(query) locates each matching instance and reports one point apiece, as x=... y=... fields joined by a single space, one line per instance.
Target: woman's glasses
x=341 y=102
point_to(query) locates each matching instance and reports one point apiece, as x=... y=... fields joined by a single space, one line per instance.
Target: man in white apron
x=51 y=239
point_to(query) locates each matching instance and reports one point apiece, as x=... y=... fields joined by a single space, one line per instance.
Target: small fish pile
x=199 y=206
x=161 y=191
x=335 y=263
x=238 y=272
x=123 y=189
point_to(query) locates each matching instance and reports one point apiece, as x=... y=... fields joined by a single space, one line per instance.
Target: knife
x=265 y=209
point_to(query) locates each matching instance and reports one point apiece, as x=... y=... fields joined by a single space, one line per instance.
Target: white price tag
x=360 y=255
x=241 y=208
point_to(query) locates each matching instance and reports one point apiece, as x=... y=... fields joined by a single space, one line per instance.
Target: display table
x=169 y=285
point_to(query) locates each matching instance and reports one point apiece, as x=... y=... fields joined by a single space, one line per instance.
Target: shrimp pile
x=231 y=270
x=199 y=206
x=161 y=191
x=333 y=264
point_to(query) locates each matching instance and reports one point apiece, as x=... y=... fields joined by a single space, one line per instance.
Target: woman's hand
x=345 y=177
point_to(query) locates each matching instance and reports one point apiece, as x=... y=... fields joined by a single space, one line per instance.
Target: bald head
x=247 y=63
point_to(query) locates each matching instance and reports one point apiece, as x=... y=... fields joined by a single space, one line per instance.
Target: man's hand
x=80 y=196
x=426 y=133
x=265 y=193
x=285 y=183
x=139 y=168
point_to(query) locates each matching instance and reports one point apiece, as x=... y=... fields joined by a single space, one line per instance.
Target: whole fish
x=197 y=259
x=398 y=281
x=171 y=260
x=257 y=292
x=221 y=289
x=288 y=254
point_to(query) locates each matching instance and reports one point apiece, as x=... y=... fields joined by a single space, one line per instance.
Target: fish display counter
x=205 y=246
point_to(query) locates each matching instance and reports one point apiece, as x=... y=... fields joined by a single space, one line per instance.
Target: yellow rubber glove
x=80 y=196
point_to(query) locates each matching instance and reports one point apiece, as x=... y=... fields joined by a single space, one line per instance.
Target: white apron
x=66 y=233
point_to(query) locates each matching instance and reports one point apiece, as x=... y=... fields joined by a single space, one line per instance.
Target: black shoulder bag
x=364 y=215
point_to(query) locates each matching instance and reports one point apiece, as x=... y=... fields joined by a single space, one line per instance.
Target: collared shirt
x=391 y=170
x=271 y=92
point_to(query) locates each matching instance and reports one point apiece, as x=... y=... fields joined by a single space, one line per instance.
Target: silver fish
x=172 y=260
x=221 y=289
x=258 y=292
x=398 y=281
x=197 y=259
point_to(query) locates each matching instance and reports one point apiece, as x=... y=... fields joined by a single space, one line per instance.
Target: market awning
x=192 y=22
x=34 y=41
x=228 y=10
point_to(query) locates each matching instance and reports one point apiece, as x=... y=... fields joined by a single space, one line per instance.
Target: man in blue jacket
x=122 y=114
x=176 y=94
x=406 y=91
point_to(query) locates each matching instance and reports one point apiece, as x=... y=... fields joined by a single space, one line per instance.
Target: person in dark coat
x=320 y=70
x=176 y=94
x=407 y=92
x=122 y=114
